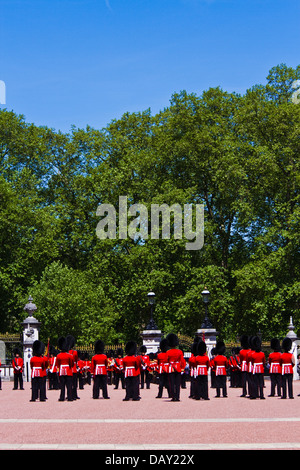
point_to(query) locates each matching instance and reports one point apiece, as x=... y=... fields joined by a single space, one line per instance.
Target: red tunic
x=258 y=361
x=65 y=363
x=145 y=361
x=17 y=364
x=202 y=364
x=99 y=364
x=38 y=366
x=74 y=353
x=162 y=362
x=220 y=363
x=287 y=363
x=243 y=359
x=176 y=360
x=274 y=361
x=131 y=366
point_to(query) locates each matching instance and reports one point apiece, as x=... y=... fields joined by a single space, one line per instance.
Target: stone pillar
x=292 y=335
x=31 y=328
x=151 y=339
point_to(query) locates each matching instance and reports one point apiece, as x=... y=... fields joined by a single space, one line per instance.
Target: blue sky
x=86 y=62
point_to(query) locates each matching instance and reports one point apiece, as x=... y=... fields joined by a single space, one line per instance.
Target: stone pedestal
x=151 y=339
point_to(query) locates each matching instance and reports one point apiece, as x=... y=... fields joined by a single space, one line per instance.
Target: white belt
x=36 y=371
x=218 y=369
x=256 y=366
x=274 y=365
x=286 y=366
x=128 y=371
x=200 y=370
x=63 y=370
x=100 y=369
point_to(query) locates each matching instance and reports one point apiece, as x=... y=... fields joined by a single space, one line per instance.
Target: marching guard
x=65 y=364
x=132 y=365
x=38 y=372
x=220 y=364
x=177 y=364
x=52 y=370
x=274 y=361
x=71 y=343
x=99 y=370
x=287 y=364
x=202 y=365
x=243 y=354
x=145 y=361
x=119 y=369
x=258 y=361
x=162 y=367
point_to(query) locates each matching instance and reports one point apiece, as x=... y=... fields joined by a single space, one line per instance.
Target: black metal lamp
x=151 y=299
x=206 y=297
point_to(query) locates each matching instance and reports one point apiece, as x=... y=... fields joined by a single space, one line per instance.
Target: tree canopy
x=238 y=155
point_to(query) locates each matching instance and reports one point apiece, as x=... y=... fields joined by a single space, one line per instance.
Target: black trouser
x=145 y=378
x=65 y=383
x=132 y=388
x=74 y=385
x=221 y=385
x=38 y=388
x=201 y=388
x=163 y=382
x=258 y=385
x=119 y=376
x=18 y=379
x=100 y=382
x=244 y=382
x=287 y=385
x=174 y=384
x=275 y=383
x=53 y=381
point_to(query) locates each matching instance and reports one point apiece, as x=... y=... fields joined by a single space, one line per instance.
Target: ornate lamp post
x=31 y=328
x=205 y=297
x=151 y=335
x=151 y=299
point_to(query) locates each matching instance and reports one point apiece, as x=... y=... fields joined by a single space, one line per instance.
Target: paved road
x=232 y=423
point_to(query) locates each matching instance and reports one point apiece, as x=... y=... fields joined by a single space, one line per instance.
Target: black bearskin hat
x=286 y=344
x=99 y=347
x=164 y=345
x=275 y=344
x=63 y=344
x=220 y=347
x=130 y=348
x=201 y=349
x=38 y=348
x=119 y=352
x=71 y=341
x=194 y=348
x=16 y=351
x=256 y=342
x=172 y=340
x=143 y=349
x=244 y=340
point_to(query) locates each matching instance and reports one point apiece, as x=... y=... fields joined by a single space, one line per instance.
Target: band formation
x=67 y=372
